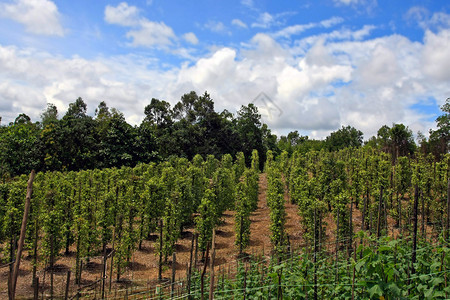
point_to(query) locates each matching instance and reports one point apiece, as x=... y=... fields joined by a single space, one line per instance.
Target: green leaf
x=438 y=294
x=394 y=289
x=376 y=291
x=436 y=281
x=359 y=265
x=428 y=293
x=384 y=248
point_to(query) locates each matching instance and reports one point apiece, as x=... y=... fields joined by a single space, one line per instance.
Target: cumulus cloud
x=238 y=23
x=427 y=21
x=151 y=34
x=332 y=82
x=144 y=33
x=190 y=37
x=38 y=16
x=436 y=55
x=122 y=14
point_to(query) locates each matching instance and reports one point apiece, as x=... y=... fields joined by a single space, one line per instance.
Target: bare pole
x=213 y=257
x=22 y=234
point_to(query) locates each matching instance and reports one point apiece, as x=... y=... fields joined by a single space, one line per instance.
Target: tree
x=397 y=140
x=19 y=151
x=158 y=113
x=248 y=127
x=440 y=138
x=402 y=140
x=77 y=109
x=50 y=139
x=50 y=115
x=116 y=146
x=345 y=137
x=78 y=138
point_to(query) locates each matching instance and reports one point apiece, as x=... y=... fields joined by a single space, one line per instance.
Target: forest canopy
x=192 y=126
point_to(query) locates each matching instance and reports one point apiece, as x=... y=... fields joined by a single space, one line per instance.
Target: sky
x=312 y=65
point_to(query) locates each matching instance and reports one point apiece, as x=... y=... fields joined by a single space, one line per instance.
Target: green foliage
x=239 y=165
x=242 y=216
x=344 y=138
x=224 y=189
x=207 y=218
x=381 y=272
x=255 y=161
x=275 y=201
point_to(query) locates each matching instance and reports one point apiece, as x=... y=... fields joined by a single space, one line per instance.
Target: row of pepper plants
x=111 y=212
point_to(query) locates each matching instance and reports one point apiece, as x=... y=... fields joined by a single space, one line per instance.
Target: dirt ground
x=143 y=269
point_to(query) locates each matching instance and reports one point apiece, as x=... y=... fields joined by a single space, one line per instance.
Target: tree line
x=79 y=141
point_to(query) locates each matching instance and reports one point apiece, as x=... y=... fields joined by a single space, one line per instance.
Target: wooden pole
x=189 y=273
x=448 y=209
x=36 y=288
x=196 y=252
x=416 y=201
x=105 y=257
x=380 y=202
x=337 y=248
x=315 y=254
x=211 y=267
x=202 y=278
x=66 y=296
x=22 y=234
x=174 y=262
x=160 y=249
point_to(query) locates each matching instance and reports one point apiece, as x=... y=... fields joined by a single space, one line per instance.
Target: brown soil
x=142 y=271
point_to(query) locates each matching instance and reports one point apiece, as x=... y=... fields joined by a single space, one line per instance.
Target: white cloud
x=299 y=28
x=217 y=27
x=191 y=38
x=294 y=29
x=360 y=5
x=122 y=14
x=151 y=34
x=331 y=22
x=145 y=33
x=440 y=19
x=265 y=20
x=380 y=68
x=248 y=3
x=38 y=16
x=238 y=23
x=421 y=16
x=332 y=82
x=347 y=2
x=436 y=55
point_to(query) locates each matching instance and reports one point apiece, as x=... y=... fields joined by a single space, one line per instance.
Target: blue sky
x=322 y=64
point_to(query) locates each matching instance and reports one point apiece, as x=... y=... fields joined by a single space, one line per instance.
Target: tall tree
x=249 y=129
x=397 y=140
x=78 y=138
x=440 y=138
x=347 y=136
x=19 y=151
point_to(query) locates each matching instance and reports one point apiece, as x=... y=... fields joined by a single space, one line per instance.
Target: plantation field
x=345 y=225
